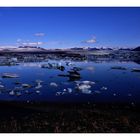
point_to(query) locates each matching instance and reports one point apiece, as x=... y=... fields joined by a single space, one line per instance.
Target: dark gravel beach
x=68 y=118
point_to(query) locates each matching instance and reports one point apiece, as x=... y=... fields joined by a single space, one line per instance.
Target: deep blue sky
x=71 y=27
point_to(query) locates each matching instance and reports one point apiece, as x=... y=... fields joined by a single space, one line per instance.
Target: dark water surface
x=111 y=85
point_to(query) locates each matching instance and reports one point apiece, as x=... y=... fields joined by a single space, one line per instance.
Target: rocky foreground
x=68 y=118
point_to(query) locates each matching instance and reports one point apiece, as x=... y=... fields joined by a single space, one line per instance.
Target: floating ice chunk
x=28 y=101
x=86 y=91
x=69 y=64
x=104 y=88
x=53 y=66
x=88 y=82
x=38 y=91
x=18 y=88
x=133 y=104
x=12 y=93
x=82 y=87
x=38 y=81
x=64 y=90
x=1 y=86
x=28 y=92
x=135 y=70
x=69 y=90
x=60 y=64
x=85 y=82
x=58 y=93
x=9 y=75
x=114 y=94
x=26 y=85
x=53 y=84
x=38 y=86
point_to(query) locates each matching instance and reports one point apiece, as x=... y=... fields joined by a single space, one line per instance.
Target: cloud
x=33 y=43
x=90 y=41
x=39 y=34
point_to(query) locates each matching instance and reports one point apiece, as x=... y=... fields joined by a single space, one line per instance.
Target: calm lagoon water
x=111 y=85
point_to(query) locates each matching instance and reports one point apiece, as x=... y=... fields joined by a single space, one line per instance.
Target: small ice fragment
x=59 y=64
x=88 y=82
x=38 y=91
x=53 y=84
x=63 y=93
x=86 y=91
x=9 y=75
x=64 y=90
x=69 y=90
x=12 y=93
x=85 y=82
x=69 y=64
x=1 y=86
x=136 y=70
x=28 y=101
x=82 y=87
x=114 y=94
x=26 y=85
x=38 y=81
x=38 y=86
x=58 y=93
x=104 y=88
x=133 y=104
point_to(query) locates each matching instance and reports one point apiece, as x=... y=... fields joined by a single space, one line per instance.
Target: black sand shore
x=17 y=117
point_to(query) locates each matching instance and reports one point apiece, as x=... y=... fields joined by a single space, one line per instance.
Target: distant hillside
x=125 y=49
x=23 y=49
x=136 y=49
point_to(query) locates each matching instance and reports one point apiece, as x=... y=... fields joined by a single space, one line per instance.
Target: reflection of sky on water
x=122 y=85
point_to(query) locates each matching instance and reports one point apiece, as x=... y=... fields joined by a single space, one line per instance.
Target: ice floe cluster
x=84 y=86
